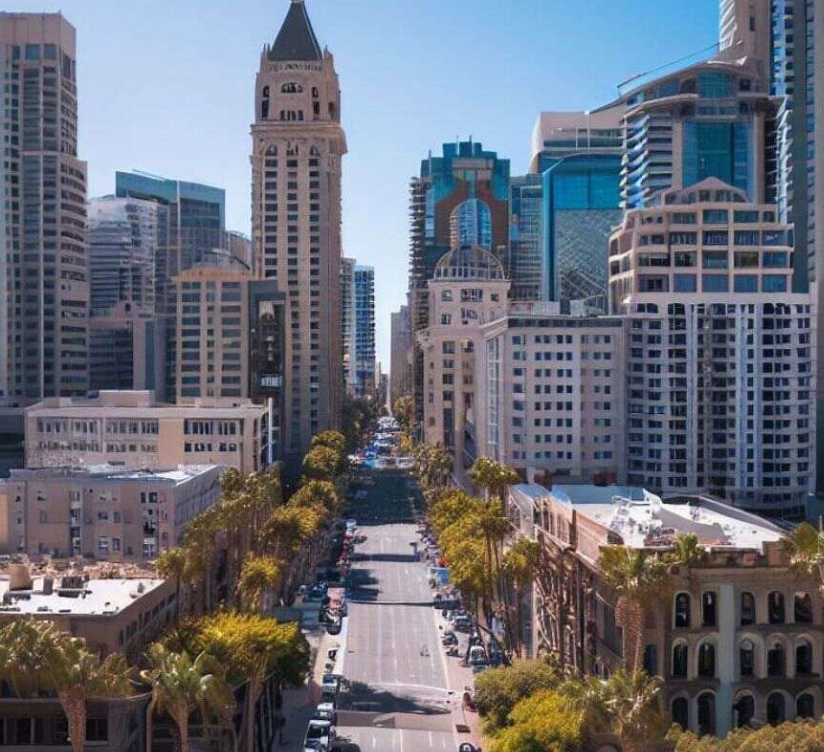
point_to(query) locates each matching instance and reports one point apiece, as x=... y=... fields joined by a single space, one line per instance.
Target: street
x=398 y=696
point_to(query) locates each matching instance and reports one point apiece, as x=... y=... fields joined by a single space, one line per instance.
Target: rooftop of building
x=136 y=402
x=296 y=39
x=468 y=263
x=106 y=472
x=72 y=589
x=644 y=520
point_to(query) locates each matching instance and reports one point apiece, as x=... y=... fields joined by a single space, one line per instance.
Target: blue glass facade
x=718 y=150
x=581 y=204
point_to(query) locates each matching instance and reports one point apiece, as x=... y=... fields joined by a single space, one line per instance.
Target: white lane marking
x=380 y=643
x=400 y=737
x=430 y=739
x=374 y=742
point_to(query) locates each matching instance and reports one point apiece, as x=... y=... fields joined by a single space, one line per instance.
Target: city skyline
x=153 y=115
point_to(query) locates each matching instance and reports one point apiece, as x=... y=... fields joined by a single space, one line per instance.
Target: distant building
x=578 y=157
x=400 y=375
x=103 y=512
x=133 y=431
x=460 y=198
x=364 y=335
x=347 y=322
x=44 y=270
x=297 y=150
x=738 y=638
x=526 y=260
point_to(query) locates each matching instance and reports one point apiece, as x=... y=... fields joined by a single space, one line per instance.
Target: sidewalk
x=466 y=725
x=299 y=704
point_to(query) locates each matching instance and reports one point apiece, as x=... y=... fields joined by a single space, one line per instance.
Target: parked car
x=449 y=638
x=325 y=711
x=319 y=732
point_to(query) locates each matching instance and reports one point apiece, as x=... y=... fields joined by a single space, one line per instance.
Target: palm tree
x=23 y=655
x=174 y=563
x=181 y=685
x=687 y=551
x=805 y=546
x=631 y=701
x=258 y=574
x=77 y=675
x=637 y=578
x=519 y=565
x=493 y=477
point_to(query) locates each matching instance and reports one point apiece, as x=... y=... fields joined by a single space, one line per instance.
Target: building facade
x=347 y=322
x=297 y=148
x=578 y=158
x=133 y=431
x=721 y=353
x=103 y=513
x=43 y=264
x=737 y=638
x=364 y=335
x=551 y=399
x=400 y=367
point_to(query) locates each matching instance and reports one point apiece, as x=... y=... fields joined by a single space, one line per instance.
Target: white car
x=325 y=711
x=319 y=733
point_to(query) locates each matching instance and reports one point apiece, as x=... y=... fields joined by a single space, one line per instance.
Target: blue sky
x=167 y=86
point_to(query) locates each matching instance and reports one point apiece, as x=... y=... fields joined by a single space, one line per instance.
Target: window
x=706 y=660
x=706 y=713
x=745 y=283
x=716 y=216
x=803 y=610
x=746 y=655
x=747 y=609
x=715 y=282
x=709 y=602
x=775 y=607
x=775 y=709
x=680 y=711
x=744 y=710
x=651 y=659
x=680 y=658
x=803 y=658
x=291 y=88
x=775 y=660
x=682 y=610
x=774 y=283
x=685 y=283
x=805 y=706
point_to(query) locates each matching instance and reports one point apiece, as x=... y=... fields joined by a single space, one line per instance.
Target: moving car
x=319 y=732
x=325 y=711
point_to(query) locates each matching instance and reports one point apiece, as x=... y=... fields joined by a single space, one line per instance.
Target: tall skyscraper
x=364 y=367
x=459 y=199
x=400 y=374
x=578 y=158
x=297 y=149
x=192 y=224
x=43 y=262
x=347 y=322
x=123 y=239
x=526 y=259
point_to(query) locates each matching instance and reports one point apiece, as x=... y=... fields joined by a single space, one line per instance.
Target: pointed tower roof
x=296 y=39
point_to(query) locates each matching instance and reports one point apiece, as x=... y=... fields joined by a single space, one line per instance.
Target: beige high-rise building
x=44 y=284
x=347 y=322
x=298 y=145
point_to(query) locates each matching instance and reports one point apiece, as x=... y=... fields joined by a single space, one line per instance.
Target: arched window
x=682 y=610
x=709 y=601
x=803 y=658
x=313 y=151
x=775 y=660
x=315 y=93
x=744 y=710
x=747 y=657
x=471 y=224
x=266 y=92
x=776 y=712
x=264 y=109
x=680 y=660
x=651 y=659
x=775 y=607
x=706 y=660
x=747 y=609
x=290 y=87
x=803 y=608
x=680 y=710
x=805 y=705
x=706 y=713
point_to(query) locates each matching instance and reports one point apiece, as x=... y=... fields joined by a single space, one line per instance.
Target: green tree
x=493 y=477
x=791 y=736
x=687 y=551
x=316 y=493
x=805 y=546
x=544 y=722
x=258 y=574
x=252 y=647
x=519 y=565
x=334 y=440
x=499 y=690
x=77 y=675
x=632 y=704
x=174 y=564
x=637 y=577
x=180 y=685
x=24 y=655
x=404 y=412
x=321 y=463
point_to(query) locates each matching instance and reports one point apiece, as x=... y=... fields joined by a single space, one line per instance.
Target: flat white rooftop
x=644 y=520
x=97 y=598
x=106 y=472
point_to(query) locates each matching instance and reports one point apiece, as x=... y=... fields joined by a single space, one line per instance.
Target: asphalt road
x=397 y=697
